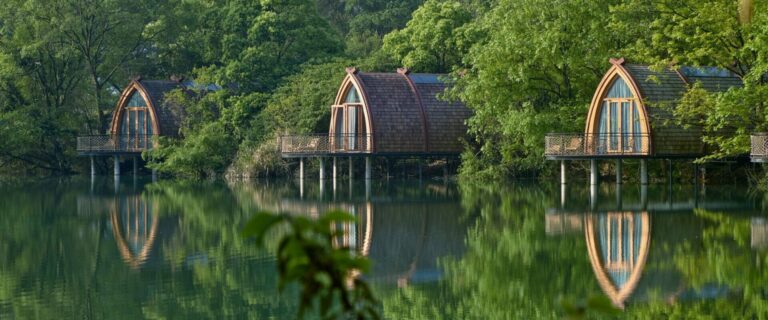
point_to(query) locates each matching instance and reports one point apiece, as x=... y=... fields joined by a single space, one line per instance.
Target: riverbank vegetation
x=526 y=68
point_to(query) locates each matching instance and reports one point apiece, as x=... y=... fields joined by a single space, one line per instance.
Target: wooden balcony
x=114 y=144
x=292 y=146
x=594 y=145
x=759 y=147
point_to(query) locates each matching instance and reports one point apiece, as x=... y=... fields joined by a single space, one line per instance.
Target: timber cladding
x=407 y=114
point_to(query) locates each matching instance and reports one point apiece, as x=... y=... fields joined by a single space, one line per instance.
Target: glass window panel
x=636 y=128
x=602 y=128
x=614 y=124
x=352 y=96
x=614 y=241
x=141 y=127
x=625 y=124
x=351 y=126
x=339 y=127
x=137 y=100
x=619 y=89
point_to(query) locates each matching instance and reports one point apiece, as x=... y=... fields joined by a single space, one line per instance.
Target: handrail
x=115 y=143
x=759 y=145
x=593 y=144
x=325 y=143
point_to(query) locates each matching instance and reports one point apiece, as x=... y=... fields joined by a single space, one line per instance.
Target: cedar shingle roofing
x=408 y=116
x=169 y=118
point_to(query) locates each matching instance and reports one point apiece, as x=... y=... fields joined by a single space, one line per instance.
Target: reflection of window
x=619 y=123
x=136 y=124
x=349 y=122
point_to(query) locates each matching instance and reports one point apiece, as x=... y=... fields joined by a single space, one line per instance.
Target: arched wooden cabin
x=387 y=114
x=630 y=114
x=140 y=115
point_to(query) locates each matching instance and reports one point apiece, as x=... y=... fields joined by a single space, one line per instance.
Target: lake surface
x=82 y=249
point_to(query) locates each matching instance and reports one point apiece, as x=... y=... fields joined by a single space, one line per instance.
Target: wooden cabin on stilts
x=384 y=115
x=140 y=116
x=631 y=117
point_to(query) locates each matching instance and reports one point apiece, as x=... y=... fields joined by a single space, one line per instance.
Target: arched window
x=619 y=129
x=349 y=123
x=136 y=127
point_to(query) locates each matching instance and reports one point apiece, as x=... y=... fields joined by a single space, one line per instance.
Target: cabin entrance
x=350 y=126
x=619 y=129
x=136 y=126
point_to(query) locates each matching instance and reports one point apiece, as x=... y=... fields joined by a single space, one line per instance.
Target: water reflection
x=134 y=227
x=618 y=244
x=627 y=234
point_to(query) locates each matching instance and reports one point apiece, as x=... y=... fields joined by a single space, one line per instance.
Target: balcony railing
x=595 y=144
x=759 y=149
x=115 y=143
x=317 y=144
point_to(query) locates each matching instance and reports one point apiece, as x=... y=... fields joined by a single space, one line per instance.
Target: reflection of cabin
x=135 y=228
x=618 y=244
x=759 y=233
x=630 y=116
x=386 y=114
x=139 y=116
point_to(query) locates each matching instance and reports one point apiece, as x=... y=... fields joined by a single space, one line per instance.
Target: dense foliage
x=526 y=68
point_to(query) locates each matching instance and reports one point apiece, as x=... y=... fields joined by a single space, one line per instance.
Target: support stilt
x=117 y=166
x=135 y=166
x=322 y=168
x=563 y=195
x=301 y=169
x=154 y=175
x=562 y=172
x=351 y=171
x=643 y=171
x=618 y=171
x=420 y=175
x=367 y=168
x=93 y=167
x=335 y=169
x=593 y=197
x=593 y=172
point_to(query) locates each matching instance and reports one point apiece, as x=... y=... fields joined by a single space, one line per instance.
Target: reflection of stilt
x=117 y=166
x=367 y=189
x=562 y=196
x=643 y=171
x=351 y=169
x=301 y=188
x=117 y=184
x=135 y=165
x=334 y=172
x=618 y=196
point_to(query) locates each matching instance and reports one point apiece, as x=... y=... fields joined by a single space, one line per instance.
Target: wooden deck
x=315 y=145
x=560 y=146
x=104 y=145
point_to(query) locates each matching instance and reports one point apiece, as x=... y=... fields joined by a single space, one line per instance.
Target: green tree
x=436 y=38
x=534 y=73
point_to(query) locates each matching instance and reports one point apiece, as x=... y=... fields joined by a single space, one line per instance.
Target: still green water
x=82 y=249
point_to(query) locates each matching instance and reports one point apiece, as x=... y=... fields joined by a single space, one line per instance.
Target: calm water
x=77 y=249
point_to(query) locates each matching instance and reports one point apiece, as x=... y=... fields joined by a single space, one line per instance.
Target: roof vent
x=619 y=61
x=403 y=71
x=352 y=70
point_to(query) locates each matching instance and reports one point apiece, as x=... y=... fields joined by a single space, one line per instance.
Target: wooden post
x=669 y=171
x=420 y=175
x=135 y=166
x=618 y=171
x=593 y=172
x=93 y=167
x=368 y=168
x=563 y=195
x=322 y=168
x=117 y=166
x=301 y=169
x=562 y=172
x=334 y=169
x=593 y=197
x=644 y=171
x=351 y=171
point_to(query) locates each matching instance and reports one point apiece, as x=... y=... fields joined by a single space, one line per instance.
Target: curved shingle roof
x=409 y=116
